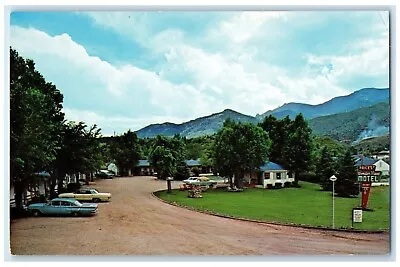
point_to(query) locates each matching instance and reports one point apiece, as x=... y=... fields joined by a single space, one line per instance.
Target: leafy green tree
x=346 y=184
x=240 y=148
x=193 y=150
x=196 y=171
x=297 y=152
x=163 y=161
x=35 y=123
x=334 y=148
x=80 y=152
x=325 y=169
x=166 y=154
x=207 y=159
x=278 y=131
x=126 y=151
x=182 y=172
x=93 y=157
x=200 y=148
x=146 y=145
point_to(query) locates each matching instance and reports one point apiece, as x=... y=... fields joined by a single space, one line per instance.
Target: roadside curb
x=266 y=222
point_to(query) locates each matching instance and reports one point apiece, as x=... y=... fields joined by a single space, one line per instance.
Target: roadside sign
x=368 y=173
x=357 y=215
x=365 y=189
x=333 y=178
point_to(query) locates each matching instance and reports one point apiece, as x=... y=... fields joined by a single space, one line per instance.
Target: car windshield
x=94 y=191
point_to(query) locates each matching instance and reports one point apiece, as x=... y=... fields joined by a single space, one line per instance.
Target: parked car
x=63 y=207
x=190 y=180
x=87 y=194
x=105 y=174
x=199 y=181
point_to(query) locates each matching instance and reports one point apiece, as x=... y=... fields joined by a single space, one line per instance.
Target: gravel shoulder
x=135 y=223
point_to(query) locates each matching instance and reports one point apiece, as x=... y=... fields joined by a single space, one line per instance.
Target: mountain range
x=346 y=112
x=358 y=99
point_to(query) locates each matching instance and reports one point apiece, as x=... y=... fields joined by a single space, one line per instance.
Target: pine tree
x=278 y=131
x=297 y=152
x=347 y=176
x=325 y=169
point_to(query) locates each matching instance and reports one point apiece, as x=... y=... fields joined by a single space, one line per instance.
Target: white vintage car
x=191 y=180
x=87 y=194
x=199 y=181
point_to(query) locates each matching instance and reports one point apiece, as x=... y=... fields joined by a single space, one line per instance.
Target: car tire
x=96 y=200
x=36 y=213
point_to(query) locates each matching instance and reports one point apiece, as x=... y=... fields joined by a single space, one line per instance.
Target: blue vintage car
x=63 y=207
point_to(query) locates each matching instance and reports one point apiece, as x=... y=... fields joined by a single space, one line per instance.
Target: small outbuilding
x=269 y=175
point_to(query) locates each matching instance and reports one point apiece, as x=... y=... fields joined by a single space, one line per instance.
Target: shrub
x=38 y=199
x=182 y=172
x=196 y=171
x=72 y=187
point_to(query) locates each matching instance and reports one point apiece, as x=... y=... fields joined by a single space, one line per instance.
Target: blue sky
x=125 y=70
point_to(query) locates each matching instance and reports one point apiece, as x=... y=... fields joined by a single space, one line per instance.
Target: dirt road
x=135 y=223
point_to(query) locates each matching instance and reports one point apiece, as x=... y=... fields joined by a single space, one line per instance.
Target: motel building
x=269 y=175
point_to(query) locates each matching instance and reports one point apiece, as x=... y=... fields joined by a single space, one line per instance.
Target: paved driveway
x=136 y=223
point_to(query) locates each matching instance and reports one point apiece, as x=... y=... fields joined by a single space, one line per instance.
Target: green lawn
x=306 y=205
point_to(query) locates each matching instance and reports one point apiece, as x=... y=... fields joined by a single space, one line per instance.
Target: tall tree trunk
x=60 y=182
x=53 y=181
x=230 y=181
x=296 y=178
x=59 y=185
x=18 y=194
x=237 y=179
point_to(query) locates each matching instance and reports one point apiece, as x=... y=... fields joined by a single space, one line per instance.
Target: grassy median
x=302 y=206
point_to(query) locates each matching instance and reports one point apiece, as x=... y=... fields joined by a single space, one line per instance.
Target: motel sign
x=366 y=175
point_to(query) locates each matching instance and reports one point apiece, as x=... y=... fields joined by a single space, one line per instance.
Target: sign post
x=356 y=216
x=366 y=189
x=366 y=175
x=333 y=179
x=169 y=179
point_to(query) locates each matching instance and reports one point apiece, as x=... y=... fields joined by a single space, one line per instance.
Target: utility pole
x=333 y=179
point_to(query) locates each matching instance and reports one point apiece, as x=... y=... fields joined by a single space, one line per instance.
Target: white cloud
x=118 y=124
x=370 y=58
x=235 y=73
x=135 y=89
x=243 y=26
x=135 y=25
x=240 y=86
x=191 y=79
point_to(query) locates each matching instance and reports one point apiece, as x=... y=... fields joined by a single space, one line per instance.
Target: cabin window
x=278 y=176
x=266 y=175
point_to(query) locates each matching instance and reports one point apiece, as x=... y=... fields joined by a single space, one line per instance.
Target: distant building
x=384 y=154
x=270 y=174
x=380 y=164
x=112 y=167
x=144 y=168
x=192 y=163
